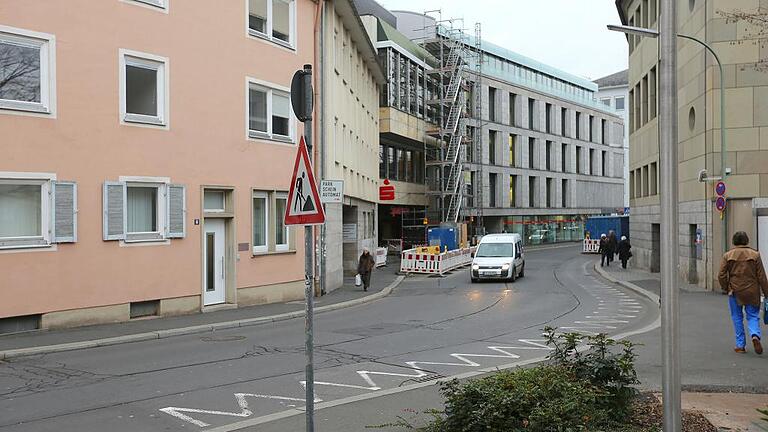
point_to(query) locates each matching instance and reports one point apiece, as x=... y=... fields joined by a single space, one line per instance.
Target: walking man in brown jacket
x=742 y=277
x=365 y=267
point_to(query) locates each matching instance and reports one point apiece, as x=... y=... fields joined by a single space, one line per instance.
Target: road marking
x=242 y=402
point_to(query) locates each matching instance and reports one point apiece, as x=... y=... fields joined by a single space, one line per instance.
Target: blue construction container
x=443 y=237
x=597 y=225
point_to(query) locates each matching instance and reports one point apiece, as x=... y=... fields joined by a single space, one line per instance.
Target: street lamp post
x=644 y=32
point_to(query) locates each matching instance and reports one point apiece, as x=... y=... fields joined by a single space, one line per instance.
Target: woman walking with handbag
x=742 y=277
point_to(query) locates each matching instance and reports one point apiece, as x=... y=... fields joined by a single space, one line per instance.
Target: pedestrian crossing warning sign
x=304 y=207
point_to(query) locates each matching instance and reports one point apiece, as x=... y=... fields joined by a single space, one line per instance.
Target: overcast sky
x=567 y=34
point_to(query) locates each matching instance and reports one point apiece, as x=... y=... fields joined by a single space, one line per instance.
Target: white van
x=498 y=256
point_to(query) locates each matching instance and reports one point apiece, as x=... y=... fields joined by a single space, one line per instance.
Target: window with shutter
x=25 y=210
x=64 y=212
x=114 y=210
x=177 y=210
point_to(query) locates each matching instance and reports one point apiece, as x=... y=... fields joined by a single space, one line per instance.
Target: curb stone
x=629 y=285
x=203 y=328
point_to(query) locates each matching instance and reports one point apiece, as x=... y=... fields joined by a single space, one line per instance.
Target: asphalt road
x=428 y=328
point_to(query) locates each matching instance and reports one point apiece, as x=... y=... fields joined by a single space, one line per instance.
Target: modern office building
x=138 y=175
x=537 y=152
x=701 y=239
x=613 y=92
x=349 y=115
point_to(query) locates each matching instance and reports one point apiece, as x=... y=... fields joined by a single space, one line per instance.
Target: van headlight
x=505 y=267
x=475 y=267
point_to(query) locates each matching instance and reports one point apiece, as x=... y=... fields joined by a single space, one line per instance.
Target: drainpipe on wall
x=320 y=46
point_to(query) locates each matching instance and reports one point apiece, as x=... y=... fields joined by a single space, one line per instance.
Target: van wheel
x=513 y=277
x=473 y=280
x=522 y=272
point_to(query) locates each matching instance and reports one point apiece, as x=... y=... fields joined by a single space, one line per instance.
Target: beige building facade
x=350 y=139
x=746 y=126
x=144 y=165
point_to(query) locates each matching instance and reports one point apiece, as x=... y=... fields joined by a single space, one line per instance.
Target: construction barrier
x=414 y=262
x=591 y=246
x=381 y=257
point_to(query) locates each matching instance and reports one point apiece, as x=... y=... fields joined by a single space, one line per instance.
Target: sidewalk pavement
x=383 y=281
x=728 y=387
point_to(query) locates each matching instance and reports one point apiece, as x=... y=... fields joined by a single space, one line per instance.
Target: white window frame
x=47 y=45
x=261 y=249
x=44 y=180
x=161 y=183
x=223 y=200
x=149 y=61
x=606 y=101
x=282 y=247
x=291 y=44
x=624 y=102
x=269 y=88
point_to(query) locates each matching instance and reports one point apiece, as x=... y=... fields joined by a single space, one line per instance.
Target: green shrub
x=606 y=364
x=544 y=398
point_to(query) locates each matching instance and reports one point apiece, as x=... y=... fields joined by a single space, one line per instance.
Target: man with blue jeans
x=742 y=277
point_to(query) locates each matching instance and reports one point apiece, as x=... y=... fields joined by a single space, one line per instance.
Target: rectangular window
x=591 y=161
x=549 y=155
x=564 y=194
x=645 y=97
x=632 y=184
x=652 y=94
x=27 y=77
x=591 y=126
x=272 y=20
x=492 y=147
x=491 y=104
x=563 y=157
x=142 y=208
x=382 y=162
x=269 y=113
x=21 y=210
x=392 y=162
x=532 y=192
x=578 y=160
x=401 y=163
x=604 y=131
x=213 y=201
x=548 y=114
x=512 y=195
x=550 y=195
x=492 y=190
x=512 y=109
x=632 y=124
x=281 y=230
x=162 y=4
x=604 y=164
x=646 y=182
x=143 y=85
x=654 y=190
x=260 y=222
x=606 y=101
x=512 y=153
x=563 y=121
x=619 y=102
x=578 y=125
x=531 y=113
x=531 y=152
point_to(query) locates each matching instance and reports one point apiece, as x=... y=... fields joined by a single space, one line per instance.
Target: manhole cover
x=222 y=338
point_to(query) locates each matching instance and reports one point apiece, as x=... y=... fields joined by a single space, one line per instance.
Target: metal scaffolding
x=457 y=78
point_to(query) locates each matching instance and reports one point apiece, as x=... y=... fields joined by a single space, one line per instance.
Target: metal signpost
x=304 y=208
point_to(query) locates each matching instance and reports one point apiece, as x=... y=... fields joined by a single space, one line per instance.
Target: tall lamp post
x=724 y=172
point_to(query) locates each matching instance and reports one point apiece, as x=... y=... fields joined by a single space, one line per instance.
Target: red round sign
x=720 y=203
x=720 y=188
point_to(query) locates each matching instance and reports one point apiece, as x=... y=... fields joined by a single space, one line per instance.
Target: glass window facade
x=537 y=230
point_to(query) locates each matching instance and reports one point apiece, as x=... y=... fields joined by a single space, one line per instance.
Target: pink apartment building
x=146 y=149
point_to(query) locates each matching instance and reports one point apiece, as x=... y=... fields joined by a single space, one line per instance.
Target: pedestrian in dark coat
x=613 y=245
x=625 y=251
x=364 y=268
x=603 y=251
x=742 y=277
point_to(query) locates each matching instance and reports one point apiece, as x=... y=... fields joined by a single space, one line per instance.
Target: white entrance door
x=213 y=256
x=762 y=234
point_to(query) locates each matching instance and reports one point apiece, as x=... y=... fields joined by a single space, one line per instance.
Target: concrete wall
x=204 y=143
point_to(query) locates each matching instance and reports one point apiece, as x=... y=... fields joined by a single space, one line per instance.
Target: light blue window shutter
x=114 y=210
x=64 y=212
x=177 y=211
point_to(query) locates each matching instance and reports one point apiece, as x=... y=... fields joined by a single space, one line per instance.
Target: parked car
x=538 y=236
x=498 y=256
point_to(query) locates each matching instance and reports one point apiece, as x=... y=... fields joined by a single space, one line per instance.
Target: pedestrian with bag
x=365 y=267
x=603 y=251
x=742 y=277
x=625 y=251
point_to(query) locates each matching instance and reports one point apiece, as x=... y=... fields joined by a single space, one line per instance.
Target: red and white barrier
x=413 y=262
x=591 y=246
x=381 y=257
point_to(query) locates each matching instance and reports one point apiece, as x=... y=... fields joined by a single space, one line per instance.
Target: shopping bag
x=358 y=280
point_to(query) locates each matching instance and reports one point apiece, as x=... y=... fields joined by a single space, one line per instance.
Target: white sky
x=567 y=34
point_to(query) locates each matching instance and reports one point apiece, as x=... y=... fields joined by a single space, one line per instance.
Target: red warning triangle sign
x=304 y=206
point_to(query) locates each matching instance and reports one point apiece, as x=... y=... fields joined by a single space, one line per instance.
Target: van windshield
x=495 y=250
